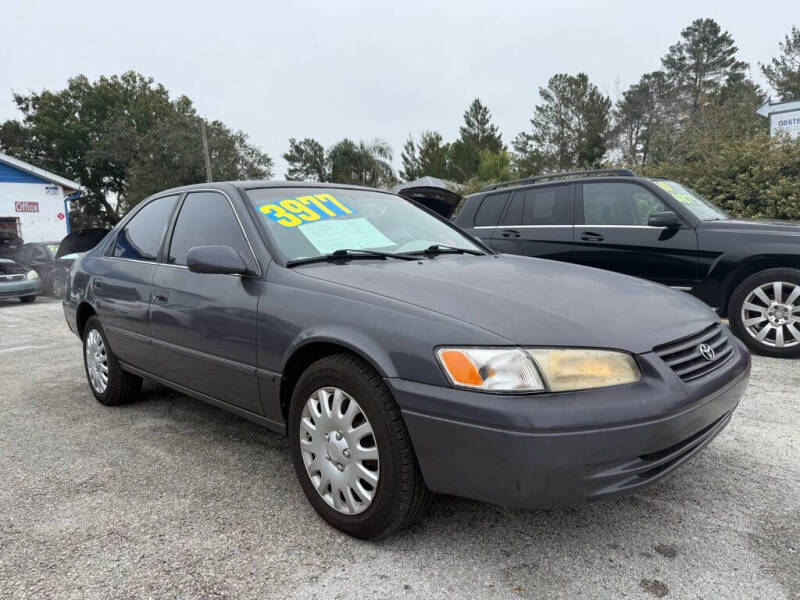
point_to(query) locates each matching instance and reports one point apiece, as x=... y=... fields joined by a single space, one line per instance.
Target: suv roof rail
x=619 y=172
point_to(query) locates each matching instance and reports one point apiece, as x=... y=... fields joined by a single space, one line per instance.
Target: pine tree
x=783 y=72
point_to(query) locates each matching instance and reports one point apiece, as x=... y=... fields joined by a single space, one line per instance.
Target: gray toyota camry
x=400 y=355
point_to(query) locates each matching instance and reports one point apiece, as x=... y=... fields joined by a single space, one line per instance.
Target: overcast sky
x=361 y=69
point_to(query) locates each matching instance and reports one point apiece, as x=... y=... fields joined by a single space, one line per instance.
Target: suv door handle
x=510 y=233
x=97 y=283
x=590 y=236
x=161 y=297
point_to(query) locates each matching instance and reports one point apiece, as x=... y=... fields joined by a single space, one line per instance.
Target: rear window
x=491 y=207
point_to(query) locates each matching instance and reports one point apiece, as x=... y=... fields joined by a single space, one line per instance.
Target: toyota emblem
x=707 y=352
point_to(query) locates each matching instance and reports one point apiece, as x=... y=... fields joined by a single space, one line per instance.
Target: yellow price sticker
x=305 y=209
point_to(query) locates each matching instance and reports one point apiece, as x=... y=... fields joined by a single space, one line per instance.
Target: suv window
x=618 y=204
x=490 y=209
x=141 y=237
x=540 y=206
x=205 y=219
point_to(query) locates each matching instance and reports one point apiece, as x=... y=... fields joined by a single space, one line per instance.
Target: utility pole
x=205 y=151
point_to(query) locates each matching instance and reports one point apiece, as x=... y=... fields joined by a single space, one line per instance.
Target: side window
x=206 y=219
x=514 y=212
x=141 y=237
x=547 y=206
x=490 y=209
x=618 y=204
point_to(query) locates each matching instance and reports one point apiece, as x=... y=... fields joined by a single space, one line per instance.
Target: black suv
x=656 y=229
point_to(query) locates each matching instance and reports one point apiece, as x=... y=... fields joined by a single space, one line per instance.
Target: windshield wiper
x=346 y=253
x=444 y=249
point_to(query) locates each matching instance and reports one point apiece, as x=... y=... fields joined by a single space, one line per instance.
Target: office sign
x=26 y=207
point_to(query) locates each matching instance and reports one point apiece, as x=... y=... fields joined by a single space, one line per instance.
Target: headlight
x=536 y=369
x=31 y=275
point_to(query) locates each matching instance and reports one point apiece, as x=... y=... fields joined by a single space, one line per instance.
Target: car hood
x=531 y=301
x=754 y=225
x=81 y=240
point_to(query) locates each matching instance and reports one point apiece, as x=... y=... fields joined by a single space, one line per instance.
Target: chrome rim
x=339 y=450
x=96 y=361
x=771 y=314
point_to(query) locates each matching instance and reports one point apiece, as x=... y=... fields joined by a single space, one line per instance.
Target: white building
x=784 y=117
x=34 y=204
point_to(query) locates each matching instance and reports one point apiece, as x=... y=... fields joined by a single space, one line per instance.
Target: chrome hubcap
x=96 y=361
x=771 y=314
x=339 y=450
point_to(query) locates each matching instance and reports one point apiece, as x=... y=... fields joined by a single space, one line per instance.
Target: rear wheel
x=351 y=450
x=108 y=382
x=27 y=299
x=764 y=312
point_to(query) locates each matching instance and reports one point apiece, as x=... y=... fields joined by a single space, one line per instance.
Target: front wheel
x=108 y=382
x=351 y=450
x=27 y=299
x=764 y=312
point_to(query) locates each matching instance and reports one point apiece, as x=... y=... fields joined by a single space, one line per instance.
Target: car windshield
x=312 y=222
x=699 y=206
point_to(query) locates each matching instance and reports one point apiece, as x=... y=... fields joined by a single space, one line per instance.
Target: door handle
x=510 y=233
x=97 y=283
x=161 y=297
x=589 y=236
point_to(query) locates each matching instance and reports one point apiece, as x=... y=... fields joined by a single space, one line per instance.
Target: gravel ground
x=169 y=497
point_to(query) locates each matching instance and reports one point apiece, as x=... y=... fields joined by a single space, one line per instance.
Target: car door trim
x=205 y=356
x=272 y=424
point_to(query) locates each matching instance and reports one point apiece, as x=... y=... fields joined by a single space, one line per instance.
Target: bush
x=756 y=177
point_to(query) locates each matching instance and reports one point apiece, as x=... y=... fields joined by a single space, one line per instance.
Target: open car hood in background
x=81 y=240
x=435 y=194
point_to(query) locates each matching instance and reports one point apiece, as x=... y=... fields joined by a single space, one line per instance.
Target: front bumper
x=556 y=449
x=18 y=289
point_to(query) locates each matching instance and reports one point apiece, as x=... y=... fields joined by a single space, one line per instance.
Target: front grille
x=683 y=356
x=11 y=278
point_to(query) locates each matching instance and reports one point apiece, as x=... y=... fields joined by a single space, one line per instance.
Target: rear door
x=487 y=217
x=121 y=283
x=611 y=232
x=537 y=222
x=204 y=326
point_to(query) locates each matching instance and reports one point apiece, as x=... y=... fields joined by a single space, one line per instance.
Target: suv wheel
x=108 y=382
x=351 y=450
x=764 y=312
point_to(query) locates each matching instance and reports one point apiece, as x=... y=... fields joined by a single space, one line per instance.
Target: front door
x=204 y=326
x=611 y=232
x=537 y=222
x=121 y=282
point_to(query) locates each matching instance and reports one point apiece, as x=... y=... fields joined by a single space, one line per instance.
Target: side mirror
x=665 y=218
x=221 y=260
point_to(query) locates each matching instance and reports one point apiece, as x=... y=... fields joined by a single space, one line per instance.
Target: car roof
x=253 y=184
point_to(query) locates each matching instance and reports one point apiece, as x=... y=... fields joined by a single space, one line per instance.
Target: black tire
x=401 y=495
x=738 y=298
x=27 y=299
x=122 y=387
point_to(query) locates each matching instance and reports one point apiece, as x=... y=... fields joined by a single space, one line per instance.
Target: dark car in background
x=53 y=260
x=401 y=356
x=658 y=230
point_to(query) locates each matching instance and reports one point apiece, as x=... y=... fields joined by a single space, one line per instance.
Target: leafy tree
x=477 y=134
x=306 y=160
x=123 y=138
x=411 y=169
x=434 y=155
x=362 y=163
x=702 y=62
x=526 y=159
x=494 y=166
x=571 y=127
x=783 y=72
